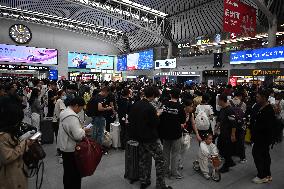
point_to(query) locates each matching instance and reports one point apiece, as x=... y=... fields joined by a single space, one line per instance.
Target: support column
x=272 y=32
x=170 y=50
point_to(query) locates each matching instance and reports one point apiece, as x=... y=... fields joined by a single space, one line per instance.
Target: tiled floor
x=109 y=174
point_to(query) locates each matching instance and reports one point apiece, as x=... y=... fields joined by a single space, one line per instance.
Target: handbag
x=33 y=155
x=88 y=155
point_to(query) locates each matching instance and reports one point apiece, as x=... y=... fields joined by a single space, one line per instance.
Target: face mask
x=63 y=98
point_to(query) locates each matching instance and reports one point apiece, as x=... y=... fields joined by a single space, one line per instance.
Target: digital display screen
x=53 y=75
x=122 y=63
x=29 y=55
x=258 y=56
x=91 y=61
x=168 y=63
x=140 y=61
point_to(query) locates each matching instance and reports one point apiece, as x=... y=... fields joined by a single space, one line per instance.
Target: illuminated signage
x=265 y=72
x=258 y=56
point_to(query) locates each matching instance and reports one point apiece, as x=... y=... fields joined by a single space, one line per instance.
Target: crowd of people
x=158 y=116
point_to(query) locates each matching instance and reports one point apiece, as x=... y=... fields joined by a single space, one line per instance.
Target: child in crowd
x=206 y=151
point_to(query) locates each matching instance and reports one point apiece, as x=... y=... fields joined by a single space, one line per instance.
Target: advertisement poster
x=233 y=81
x=141 y=60
x=30 y=55
x=122 y=63
x=168 y=63
x=90 y=61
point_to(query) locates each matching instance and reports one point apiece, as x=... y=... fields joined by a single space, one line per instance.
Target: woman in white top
x=59 y=107
x=70 y=132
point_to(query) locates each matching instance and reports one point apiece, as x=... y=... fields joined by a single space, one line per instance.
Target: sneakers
x=269 y=178
x=167 y=187
x=206 y=176
x=233 y=164
x=177 y=176
x=257 y=180
x=243 y=161
x=224 y=170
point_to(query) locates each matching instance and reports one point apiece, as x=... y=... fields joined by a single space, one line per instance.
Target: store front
x=213 y=77
x=257 y=76
x=177 y=77
x=24 y=71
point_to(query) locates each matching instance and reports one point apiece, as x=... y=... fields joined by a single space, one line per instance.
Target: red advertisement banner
x=239 y=18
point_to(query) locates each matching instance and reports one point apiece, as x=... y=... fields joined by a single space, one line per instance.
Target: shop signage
x=248 y=73
x=215 y=73
x=178 y=74
x=22 y=67
x=239 y=18
x=265 y=72
x=275 y=54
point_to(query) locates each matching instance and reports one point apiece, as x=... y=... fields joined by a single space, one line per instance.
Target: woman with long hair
x=11 y=148
x=36 y=107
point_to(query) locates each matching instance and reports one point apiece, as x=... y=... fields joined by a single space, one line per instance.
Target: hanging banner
x=232 y=16
x=248 y=20
x=239 y=18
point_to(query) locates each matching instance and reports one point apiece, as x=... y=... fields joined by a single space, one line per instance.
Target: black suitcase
x=132 y=161
x=46 y=128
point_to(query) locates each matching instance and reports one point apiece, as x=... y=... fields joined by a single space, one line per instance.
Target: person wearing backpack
x=239 y=108
x=204 y=113
x=262 y=138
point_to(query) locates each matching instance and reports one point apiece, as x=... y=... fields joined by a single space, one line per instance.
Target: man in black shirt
x=99 y=120
x=171 y=120
x=227 y=124
x=261 y=133
x=123 y=110
x=144 y=122
x=51 y=99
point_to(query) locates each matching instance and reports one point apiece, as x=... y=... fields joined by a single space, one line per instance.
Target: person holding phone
x=11 y=148
x=70 y=132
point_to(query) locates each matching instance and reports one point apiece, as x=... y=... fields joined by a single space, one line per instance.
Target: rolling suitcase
x=46 y=129
x=132 y=161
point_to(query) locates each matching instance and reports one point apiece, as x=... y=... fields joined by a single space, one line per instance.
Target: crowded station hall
x=136 y=94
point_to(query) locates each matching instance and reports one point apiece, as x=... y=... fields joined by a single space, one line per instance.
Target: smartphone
x=89 y=126
x=36 y=136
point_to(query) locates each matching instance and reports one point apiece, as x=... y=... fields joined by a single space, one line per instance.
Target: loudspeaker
x=218 y=60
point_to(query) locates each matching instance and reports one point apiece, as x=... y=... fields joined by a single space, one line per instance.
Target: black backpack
x=238 y=113
x=92 y=107
x=277 y=132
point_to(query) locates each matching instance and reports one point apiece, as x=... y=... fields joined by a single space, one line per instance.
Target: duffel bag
x=88 y=155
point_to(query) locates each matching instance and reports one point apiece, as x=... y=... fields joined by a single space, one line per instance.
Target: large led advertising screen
x=29 y=55
x=141 y=60
x=122 y=63
x=275 y=54
x=91 y=61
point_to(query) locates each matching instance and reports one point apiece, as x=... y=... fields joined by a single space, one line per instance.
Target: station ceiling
x=187 y=18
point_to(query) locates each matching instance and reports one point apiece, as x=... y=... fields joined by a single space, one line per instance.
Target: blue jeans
x=98 y=129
